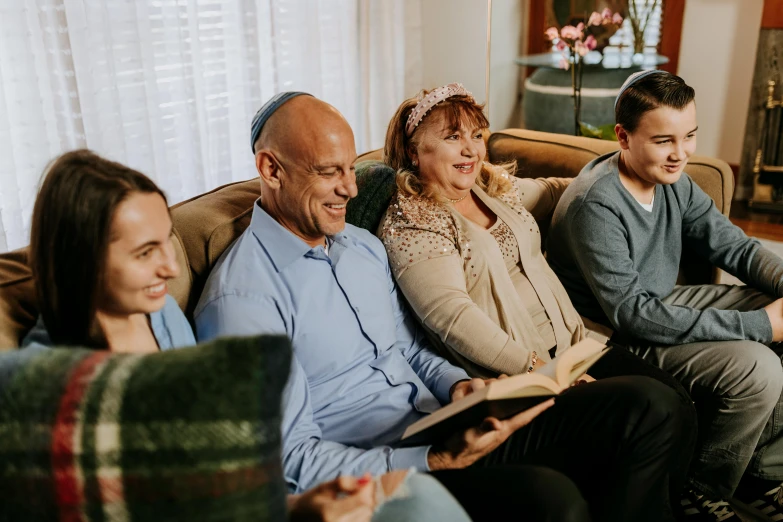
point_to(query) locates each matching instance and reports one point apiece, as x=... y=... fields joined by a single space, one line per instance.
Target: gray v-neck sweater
x=618 y=260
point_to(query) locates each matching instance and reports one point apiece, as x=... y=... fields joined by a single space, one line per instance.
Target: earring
x=415 y=163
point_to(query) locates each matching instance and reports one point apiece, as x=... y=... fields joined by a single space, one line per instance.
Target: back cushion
x=189 y=434
x=376 y=183
x=205 y=226
x=18 y=311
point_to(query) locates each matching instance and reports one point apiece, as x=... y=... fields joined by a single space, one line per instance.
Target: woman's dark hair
x=69 y=240
x=649 y=93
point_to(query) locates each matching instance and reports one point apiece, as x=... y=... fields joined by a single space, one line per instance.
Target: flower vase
x=638 y=48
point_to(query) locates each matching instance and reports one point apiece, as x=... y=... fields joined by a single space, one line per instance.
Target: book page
x=575 y=361
x=522 y=385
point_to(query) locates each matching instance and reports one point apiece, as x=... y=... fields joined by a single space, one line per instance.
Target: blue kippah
x=266 y=112
x=635 y=77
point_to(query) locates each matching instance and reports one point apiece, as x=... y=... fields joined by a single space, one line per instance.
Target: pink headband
x=426 y=104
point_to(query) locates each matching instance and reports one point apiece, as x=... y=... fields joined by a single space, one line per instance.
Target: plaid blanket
x=191 y=434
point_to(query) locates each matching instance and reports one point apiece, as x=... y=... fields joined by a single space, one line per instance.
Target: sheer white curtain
x=169 y=86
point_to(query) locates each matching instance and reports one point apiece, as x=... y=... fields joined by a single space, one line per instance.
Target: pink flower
x=552 y=33
x=561 y=45
x=591 y=42
x=570 y=32
x=580 y=48
x=606 y=13
x=595 y=19
x=580 y=27
x=564 y=64
x=617 y=19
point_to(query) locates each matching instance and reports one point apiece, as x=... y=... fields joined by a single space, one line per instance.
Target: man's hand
x=775 y=313
x=391 y=481
x=345 y=499
x=463 y=388
x=463 y=449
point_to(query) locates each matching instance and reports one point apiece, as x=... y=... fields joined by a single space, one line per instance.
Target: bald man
x=362 y=369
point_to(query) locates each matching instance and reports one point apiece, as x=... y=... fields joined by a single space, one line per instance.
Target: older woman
x=495 y=305
x=465 y=248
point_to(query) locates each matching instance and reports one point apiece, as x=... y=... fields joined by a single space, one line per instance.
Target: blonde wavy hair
x=457 y=110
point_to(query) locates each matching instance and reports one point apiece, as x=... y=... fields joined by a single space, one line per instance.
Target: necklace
x=458 y=199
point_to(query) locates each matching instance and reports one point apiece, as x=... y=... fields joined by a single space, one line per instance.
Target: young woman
x=101 y=256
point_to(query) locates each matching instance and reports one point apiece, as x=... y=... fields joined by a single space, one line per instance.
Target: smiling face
x=140 y=257
x=657 y=151
x=449 y=159
x=306 y=163
x=314 y=191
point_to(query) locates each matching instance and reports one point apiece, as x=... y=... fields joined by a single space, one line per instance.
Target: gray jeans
x=736 y=386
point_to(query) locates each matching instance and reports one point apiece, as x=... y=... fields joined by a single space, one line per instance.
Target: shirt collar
x=159 y=330
x=282 y=246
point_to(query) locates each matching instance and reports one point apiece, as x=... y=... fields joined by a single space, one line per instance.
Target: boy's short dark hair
x=648 y=93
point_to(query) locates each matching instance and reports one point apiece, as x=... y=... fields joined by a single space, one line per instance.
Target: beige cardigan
x=456 y=281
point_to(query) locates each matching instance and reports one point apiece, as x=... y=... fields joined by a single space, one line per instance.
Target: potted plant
x=574 y=42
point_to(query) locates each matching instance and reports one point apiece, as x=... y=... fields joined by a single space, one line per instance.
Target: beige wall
x=717 y=56
x=454 y=49
x=454 y=44
x=508 y=25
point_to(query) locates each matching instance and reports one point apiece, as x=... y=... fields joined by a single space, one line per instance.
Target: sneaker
x=695 y=506
x=770 y=504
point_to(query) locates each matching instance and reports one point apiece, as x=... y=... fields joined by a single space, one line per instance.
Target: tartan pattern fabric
x=190 y=434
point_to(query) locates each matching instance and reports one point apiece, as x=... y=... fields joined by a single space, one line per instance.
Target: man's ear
x=267 y=169
x=622 y=136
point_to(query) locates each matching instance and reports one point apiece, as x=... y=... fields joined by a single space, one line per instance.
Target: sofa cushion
x=18 y=311
x=204 y=227
x=376 y=183
x=375 y=155
x=189 y=434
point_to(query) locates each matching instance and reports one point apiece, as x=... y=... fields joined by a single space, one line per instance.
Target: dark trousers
x=617 y=439
x=619 y=361
x=523 y=493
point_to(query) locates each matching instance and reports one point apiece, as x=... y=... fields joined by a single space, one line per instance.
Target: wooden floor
x=763 y=225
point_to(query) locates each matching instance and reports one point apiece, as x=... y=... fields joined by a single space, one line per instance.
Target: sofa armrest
x=18 y=309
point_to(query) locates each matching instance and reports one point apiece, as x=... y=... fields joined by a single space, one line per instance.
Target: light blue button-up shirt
x=169 y=326
x=362 y=370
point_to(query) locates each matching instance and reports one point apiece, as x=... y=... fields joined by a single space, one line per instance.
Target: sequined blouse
x=455 y=277
x=508 y=246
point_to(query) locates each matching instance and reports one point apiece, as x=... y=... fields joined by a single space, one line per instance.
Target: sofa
x=206 y=225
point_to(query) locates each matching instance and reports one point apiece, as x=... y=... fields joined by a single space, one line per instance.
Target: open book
x=506 y=397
